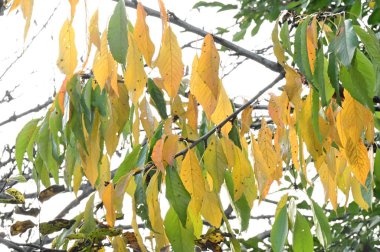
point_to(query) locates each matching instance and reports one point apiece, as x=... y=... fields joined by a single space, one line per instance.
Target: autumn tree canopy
x=194 y=160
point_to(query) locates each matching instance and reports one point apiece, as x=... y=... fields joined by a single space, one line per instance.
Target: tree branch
x=14 y=117
x=274 y=66
x=230 y=117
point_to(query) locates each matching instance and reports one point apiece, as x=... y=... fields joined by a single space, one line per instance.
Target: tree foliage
x=187 y=143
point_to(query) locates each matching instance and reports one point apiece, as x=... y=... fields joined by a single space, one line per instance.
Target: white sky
x=37 y=76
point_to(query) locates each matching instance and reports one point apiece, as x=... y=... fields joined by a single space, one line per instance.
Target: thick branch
x=191 y=28
x=32 y=110
x=230 y=117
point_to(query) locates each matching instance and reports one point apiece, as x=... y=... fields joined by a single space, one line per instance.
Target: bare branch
x=14 y=117
x=274 y=66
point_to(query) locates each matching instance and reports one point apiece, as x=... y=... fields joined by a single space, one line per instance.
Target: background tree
x=195 y=142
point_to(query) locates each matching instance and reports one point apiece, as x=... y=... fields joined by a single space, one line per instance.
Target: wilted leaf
x=55 y=226
x=13 y=196
x=50 y=192
x=20 y=227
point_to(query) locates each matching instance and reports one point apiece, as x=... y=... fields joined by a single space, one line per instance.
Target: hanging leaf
x=141 y=34
x=73 y=4
x=211 y=209
x=170 y=149
x=312 y=43
x=27 y=9
x=181 y=238
x=169 y=62
x=279 y=231
x=277 y=47
x=223 y=110
x=192 y=112
x=101 y=63
x=20 y=227
x=157 y=98
x=157 y=155
x=118 y=33
x=89 y=223
x=67 y=59
x=108 y=202
x=345 y=43
x=177 y=195
x=192 y=178
x=302 y=238
x=135 y=77
x=321 y=223
x=23 y=140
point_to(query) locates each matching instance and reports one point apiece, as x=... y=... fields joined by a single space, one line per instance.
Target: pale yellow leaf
x=357 y=156
x=67 y=59
x=101 y=62
x=328 y=179
x=113 y=77
x=246 y=120
x=154 y=211
x=94 y=30
x=135 y=77
x=141 y=34
x=146 y=118
x=293 y=86
x=240 y=172
x=169 y=62
x=277 y=47
x=293 y=139
x=267 y=149
x=228 y=149
x=211 y=209
x=77 y=181
x=119 y=245
x=223 y=110
x=107 y=198
x=164 y=15
x=176 y=107
x=73 y=4
x=357 y=194
x=136 y=127
x=27 y=9
x=192 y=179
x=104 y=174
x=277 y=108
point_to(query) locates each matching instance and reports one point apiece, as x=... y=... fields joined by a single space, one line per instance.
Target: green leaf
x=22 y=141
x=371 y=43
x=356 y=9
x=300 y=50
x=89 y=223
x=181 y=239
x=302 y=238
x=279 y=231
x=85 y=100
x=359 y=80
x=322 y=226
x=315 y=114
x=375 y=16
x=333 y=73
x=239 y=35
x=284 y=36
x=118 y=33
x=319 y=76
x=158 y=99
x=367 y=192
x=176 y=194
x=345 y=43
x=128 y=163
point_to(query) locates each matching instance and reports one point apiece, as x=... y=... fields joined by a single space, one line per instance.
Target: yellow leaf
x=169 y=62
x=192 y=178
x=277 y=108
x=215 y=162
x=135 y=76
x=136 y=128
x=192 y=112
x=293 y=139
x=94 y=37
x=293 y=86
x=281 y=204
x=312 y=43
x=357 y=157
x=246 y=120
x=222 y=111
x=141 y=34
x=170 y=149
x=146 y=118
x=357 y=194
x=105 y=174
x=119 y=245
x=27 y=9
x=240 y=172
x=277 y=47
x=67 y=59
x=108 y=203
x=73 y=4
x=157 y=154
x=228 y=149
x=201 y=90
x=91 y=159
x=263 y=174
x=164 y=15
x=211 y=209
x=155 y=213
x=267 y=149
x=343 y=176
x=101 y=62
x=15 y=5
x=177 y=107
x=113 y=77
x=327 y=175
x=77 y=178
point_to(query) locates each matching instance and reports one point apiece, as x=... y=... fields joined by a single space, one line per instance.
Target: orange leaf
x=293 y=86
x=135 y=77
x=67 y=59
x=141 y=34
x=157 y=154
x=312 y=42
x=146 y=118
x=27 y=8
x=15 y=5
x=73 y=4
x=246 y=120
x=170 y=149
x=164 y=15
x=169 y=62
x=277 y=109
x=107 y=198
